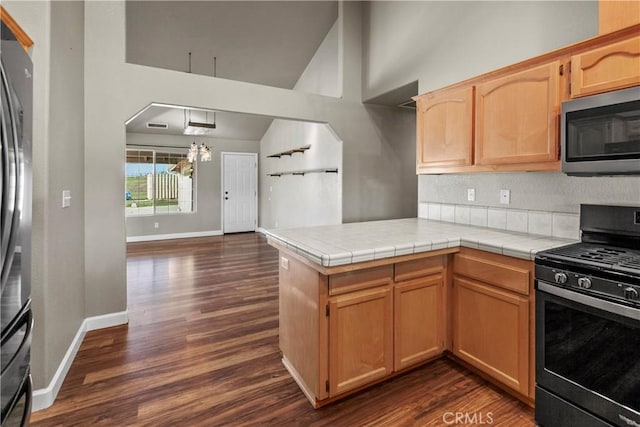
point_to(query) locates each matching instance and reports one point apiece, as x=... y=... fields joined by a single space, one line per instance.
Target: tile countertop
x=334 y=245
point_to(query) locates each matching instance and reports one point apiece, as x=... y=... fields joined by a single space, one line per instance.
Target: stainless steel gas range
x=588 y=323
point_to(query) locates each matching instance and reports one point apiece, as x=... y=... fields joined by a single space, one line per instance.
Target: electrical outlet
x=505 y=196
x=156 y=225
x=284 y=262
x=471 y=194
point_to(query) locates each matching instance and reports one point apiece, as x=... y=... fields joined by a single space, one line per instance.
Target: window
x=158 y=182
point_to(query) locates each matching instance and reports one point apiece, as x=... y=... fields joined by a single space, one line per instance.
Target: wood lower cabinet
x=360 y=338
x=607 y=68
x=492 y=322
x=445 y=129
x=516 y=117
x=418 y=321
x=491 y=332
x=344 y=328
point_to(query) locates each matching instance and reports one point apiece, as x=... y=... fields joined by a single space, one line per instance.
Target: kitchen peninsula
x=362 y=302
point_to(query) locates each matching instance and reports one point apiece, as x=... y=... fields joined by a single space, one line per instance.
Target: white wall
x=206 y=218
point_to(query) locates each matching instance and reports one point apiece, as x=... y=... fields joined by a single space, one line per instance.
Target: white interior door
x=239 y=192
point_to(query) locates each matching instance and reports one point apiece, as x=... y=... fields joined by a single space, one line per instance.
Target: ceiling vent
x=409 y=104
x=157 y=125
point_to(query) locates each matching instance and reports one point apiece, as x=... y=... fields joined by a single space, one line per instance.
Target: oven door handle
x=608 y=306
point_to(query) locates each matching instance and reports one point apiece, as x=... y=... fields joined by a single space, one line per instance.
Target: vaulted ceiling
x=263 y=42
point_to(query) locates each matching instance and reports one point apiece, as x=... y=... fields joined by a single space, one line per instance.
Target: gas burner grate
x=633 y=263
x=602 y=256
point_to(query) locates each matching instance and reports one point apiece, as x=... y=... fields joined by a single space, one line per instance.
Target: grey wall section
x=294 y=200
x=206 y=218
x=547 y=191
x=443 y=42
x=104 y=102
x=377 y=182
x=58 y=142
x=65 y=242
x=322 y=74
x=312 y=199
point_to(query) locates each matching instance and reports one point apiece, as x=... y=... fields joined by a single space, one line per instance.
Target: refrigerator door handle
x=26 y=389
x=25 y=316
x=11 y=201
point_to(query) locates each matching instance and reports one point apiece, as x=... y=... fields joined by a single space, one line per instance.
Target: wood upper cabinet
x=418 y=325
x=445 y=129
x=360 y=338
x=491 y=332
x=517 y=117
x=607 y=68
x=614 y=15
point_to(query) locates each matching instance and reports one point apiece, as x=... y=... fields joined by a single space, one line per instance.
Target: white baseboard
x=44 y=397
x=153 y=237
x=261 y=230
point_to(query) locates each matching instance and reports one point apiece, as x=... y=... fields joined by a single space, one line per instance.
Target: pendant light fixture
x=201 y=128
x=203 y=150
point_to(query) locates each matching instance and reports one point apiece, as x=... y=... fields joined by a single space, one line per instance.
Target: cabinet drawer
x=418 y=268
x=494 y=269
x=360 y=279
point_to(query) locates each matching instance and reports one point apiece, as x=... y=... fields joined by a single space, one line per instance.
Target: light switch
x=284 y=262
x=66 y=198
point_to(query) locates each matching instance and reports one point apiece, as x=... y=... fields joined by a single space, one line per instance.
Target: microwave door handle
x=600 y=304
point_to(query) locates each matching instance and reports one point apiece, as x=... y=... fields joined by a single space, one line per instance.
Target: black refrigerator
x=16 y=107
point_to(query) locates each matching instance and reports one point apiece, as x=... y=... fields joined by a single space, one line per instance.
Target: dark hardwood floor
x=201 y=348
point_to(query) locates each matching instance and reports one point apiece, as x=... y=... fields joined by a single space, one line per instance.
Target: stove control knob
x=630 y=293
x=561 y=278
x=584 y=282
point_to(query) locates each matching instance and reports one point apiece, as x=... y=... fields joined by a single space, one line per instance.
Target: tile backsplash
x=554 y=224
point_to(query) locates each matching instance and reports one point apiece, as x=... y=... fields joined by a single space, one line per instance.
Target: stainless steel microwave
x=600 y=134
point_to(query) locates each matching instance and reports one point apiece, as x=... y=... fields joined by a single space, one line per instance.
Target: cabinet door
x=418 y=320
x=445 y=130
x=491 y=332
x=360 y=338
x=517 y=117
x=610 y=67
